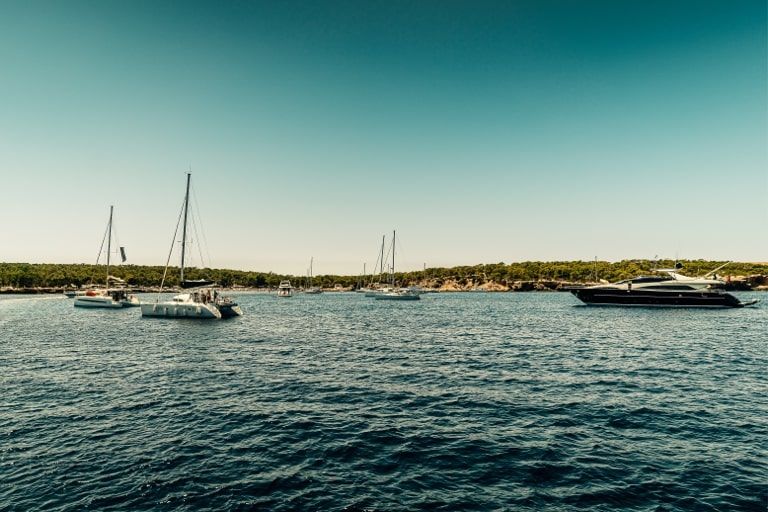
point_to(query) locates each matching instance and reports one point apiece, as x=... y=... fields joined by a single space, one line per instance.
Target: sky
x=481 y=131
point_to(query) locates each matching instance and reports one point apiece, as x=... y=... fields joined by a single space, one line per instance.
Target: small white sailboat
x=311 y=289
x=107 y=298
x=201 y=298
x=285 y=289
x=375 y=289
x=397 y=293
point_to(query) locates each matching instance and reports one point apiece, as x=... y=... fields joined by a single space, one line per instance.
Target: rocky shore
x=733 y=283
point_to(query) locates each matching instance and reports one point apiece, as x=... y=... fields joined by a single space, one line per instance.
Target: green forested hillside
x=26 y=275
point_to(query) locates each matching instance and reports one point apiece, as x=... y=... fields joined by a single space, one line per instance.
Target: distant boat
x=106 y=298
x=670 y=290
x=285 y=289
x=395 y=293
x=202 y=298
x=312 y=290
x=376 y=288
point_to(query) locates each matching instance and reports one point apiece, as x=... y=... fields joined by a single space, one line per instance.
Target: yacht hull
x=180 y=310
x=656 y=298
x=385 y=296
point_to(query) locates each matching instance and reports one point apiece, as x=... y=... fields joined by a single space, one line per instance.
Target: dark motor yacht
x=670 y=289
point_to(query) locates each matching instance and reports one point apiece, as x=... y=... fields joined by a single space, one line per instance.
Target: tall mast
x=311 y=259
x=184 y=229
x=393 y=259
x=109 y=240
x=381 y=258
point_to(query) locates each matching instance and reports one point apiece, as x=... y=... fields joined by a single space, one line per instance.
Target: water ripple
x=336 y=402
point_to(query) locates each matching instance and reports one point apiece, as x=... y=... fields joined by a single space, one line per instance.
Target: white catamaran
x=201 y=298
x=109 y=298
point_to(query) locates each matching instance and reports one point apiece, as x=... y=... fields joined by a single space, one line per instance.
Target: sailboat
x=107 y=298
x=312 y=290
x=201 y=299
x=375 y=289
x=397 y=293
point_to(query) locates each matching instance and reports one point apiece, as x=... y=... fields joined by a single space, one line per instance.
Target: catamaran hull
x=655 y=298
x=97 y=302
x=230 y=311
x=172 y=310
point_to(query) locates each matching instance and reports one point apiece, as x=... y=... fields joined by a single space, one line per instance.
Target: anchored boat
x=201 y=298
x=394 y=293
x=671 y=289
x=285 y=289
x=106 y=298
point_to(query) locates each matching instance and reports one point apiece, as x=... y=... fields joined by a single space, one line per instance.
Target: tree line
x=32 y=275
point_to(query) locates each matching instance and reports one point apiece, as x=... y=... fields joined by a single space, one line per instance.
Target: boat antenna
x=718 y=268
x=595 y=268
x=184 y=227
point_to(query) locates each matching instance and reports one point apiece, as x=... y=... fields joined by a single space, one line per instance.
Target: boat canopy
x=196 y=283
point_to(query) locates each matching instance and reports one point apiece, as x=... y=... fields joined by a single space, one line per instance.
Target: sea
x=337 y=402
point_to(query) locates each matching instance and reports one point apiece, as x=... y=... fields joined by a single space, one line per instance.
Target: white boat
x=311 y=289
x=285 y=289
x=376 y=288
x=399 y=294
x=97 y=299
x=106 y=297
x=201 y=299
x=185 y=305
x=394 y=293
x=375 y=292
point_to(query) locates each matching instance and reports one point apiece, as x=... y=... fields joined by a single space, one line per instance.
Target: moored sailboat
x=311 y=289
x=394 y=293
x=107 y=298
x=201 y=298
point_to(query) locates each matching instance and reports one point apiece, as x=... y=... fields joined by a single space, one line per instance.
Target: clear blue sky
x=481 y=131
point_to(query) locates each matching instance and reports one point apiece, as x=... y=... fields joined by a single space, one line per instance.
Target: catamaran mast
x=184 y=229
x=109 y=240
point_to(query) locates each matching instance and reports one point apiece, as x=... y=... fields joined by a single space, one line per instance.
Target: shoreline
x=517 y=287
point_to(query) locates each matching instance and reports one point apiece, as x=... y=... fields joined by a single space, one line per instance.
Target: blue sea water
x=466 y=401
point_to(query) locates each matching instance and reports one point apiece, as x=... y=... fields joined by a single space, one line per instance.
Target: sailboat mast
x=109 y=240
x=393 y=259
x=381 y=258
x=311 y=260
x=184 y=229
